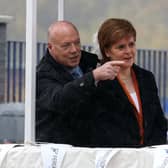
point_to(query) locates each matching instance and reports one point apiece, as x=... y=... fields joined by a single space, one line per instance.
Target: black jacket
x=115 y=123
x=61 y=101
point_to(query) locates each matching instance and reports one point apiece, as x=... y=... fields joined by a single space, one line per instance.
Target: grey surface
x=12 y=122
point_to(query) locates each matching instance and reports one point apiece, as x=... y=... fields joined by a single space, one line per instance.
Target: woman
x=128 y=111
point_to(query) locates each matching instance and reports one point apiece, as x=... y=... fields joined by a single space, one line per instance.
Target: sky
x=149 y=18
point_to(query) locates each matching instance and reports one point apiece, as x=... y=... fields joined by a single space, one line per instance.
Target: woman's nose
x=127 y=49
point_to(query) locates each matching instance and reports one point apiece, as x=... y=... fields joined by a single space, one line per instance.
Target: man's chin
x=72 y=65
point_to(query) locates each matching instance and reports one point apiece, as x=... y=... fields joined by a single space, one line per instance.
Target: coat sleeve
x=52 y=94
x=159 y=129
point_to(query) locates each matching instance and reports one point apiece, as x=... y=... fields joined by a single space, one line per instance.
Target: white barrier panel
x=125 y=158
x=161 y=157
x=4 y=149
x=66 y=156
x=53 y=154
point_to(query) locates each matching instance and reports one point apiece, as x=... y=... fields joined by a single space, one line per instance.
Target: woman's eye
x=132 y=44
x=120 y=47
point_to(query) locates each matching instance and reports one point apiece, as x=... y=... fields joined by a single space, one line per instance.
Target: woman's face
x=124 y=50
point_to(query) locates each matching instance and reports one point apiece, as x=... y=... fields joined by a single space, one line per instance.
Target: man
x=66 y=82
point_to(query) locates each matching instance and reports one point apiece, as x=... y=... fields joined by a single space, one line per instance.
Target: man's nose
x=74 y=47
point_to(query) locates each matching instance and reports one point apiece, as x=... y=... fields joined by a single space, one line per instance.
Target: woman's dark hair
x=111 y=31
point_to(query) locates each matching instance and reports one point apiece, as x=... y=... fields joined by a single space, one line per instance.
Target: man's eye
x=65 y=45
x=77 y=43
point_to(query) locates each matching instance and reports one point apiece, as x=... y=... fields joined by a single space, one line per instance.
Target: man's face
x=66 y=48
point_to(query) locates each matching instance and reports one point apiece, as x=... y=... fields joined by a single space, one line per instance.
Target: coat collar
x=115 y=89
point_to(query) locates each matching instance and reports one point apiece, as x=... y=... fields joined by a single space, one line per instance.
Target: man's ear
x=49 y=46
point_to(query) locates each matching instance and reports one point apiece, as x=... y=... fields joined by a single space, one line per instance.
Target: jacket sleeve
x=53 y=94
x=159 y=132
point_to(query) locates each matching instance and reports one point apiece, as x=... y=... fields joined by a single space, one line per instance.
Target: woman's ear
x=108 y=53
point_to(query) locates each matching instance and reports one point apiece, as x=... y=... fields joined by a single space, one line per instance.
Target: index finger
x=117 y=62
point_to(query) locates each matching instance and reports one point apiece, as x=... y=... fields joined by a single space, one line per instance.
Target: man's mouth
x=74 y=57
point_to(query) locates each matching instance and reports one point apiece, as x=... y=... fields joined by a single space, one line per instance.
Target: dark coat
x=77 y=112
x=61 y=100
x=115 y=123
